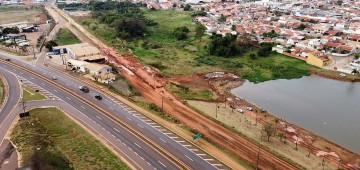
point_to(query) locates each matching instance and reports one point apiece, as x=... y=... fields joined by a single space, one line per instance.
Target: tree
x=181 y=33
x=354 y=71
x=12 y=30
x=340 y=2
x=302 y=27
x=253 y=56
x=222 y=18
x=130 y=27
x=357 y=55
x=187 y=7
x=199 y=31
x=233 y=27
x=265 y=50
x=174 y=5
x=50 y=44
x=269 y=130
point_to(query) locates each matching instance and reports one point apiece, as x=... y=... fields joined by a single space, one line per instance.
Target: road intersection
x=135 y=150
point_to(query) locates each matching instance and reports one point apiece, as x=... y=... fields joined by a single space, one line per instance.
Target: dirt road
x=151 y=88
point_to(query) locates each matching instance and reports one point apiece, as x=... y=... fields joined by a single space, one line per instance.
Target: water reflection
x=327 y=107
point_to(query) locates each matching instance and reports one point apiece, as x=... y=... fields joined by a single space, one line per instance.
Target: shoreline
x=302 y=130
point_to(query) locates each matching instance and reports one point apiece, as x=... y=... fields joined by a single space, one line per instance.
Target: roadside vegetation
x=66 y=37
x=30 y=94
x=2 y=92
x=51 y=140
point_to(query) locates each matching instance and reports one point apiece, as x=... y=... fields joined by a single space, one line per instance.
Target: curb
x=6 y=92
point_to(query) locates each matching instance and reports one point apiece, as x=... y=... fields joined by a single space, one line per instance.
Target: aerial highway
x=142 y=142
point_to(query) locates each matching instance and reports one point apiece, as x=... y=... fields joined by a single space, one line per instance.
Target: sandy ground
x=245 y=124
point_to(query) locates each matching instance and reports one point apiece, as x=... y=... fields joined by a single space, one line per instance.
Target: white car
x=249 y=108
x=240 y=110
x=342 y=75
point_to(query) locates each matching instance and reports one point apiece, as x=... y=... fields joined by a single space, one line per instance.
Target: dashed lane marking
x=188 y=157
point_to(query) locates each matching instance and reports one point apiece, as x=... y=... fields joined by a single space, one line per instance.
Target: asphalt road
x=12 y=101
x=137 y=152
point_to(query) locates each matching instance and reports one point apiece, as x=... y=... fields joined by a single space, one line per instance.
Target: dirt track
x=151 y=88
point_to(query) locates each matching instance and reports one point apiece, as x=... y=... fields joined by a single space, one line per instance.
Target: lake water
x=329 y=108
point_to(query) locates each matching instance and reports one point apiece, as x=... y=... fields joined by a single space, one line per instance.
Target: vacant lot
x=29 y=94
x=66 y=37
x=11 y=14
x=48 y=136
x=162 y=50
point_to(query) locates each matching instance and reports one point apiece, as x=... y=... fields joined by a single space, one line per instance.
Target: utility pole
x=258 y=159
x=23 y=105
x=33 y=52
x=162 y=104
x=216 y=110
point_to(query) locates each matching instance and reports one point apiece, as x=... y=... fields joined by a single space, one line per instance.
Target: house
x=337 y=33
x=279 y=49
x=97 y=69
x=76 y=65
x=355 y=37
x=318 y=60
x=320 y=29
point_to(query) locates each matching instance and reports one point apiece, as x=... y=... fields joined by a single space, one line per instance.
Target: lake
x=329 y=108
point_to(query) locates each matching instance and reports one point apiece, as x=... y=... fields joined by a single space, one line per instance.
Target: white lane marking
x=208 y=159
x=98 y=117
x=194 y=149
x=188 y=157
x=68 y=98
x=173 y=137
x=140 y=126
x=130 y=148
x=111 y=108
x=162 y=164
x=55 y=91
x=142 y=158
x=136 y=153
x=216 y=164
x=162 y=140
x=137 y=145
x=167 y=133
x=180 y=141
x=116 y=130
x=186 y=145
x=128 y=118
x=156 y=126
x=152 y=123
x=200 y=154
x=82 y=107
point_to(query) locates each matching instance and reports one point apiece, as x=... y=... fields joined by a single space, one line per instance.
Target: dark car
x=84 y=89
x=98 y=97
x=8 y=59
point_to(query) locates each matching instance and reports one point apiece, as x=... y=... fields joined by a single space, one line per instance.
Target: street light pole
x=216 y=110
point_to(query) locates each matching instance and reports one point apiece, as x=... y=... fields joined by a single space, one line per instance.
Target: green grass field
x=29 y=94
x=173 y=57
x=66 y=37
x=60 y=143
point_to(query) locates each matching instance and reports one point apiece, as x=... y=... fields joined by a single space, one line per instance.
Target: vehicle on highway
x=249 y=108
x=342 y=75
x=263 y=110
x=84 y=89
x=54 y=78
x=240 y=110
x=8 y=59
x=98 y=97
